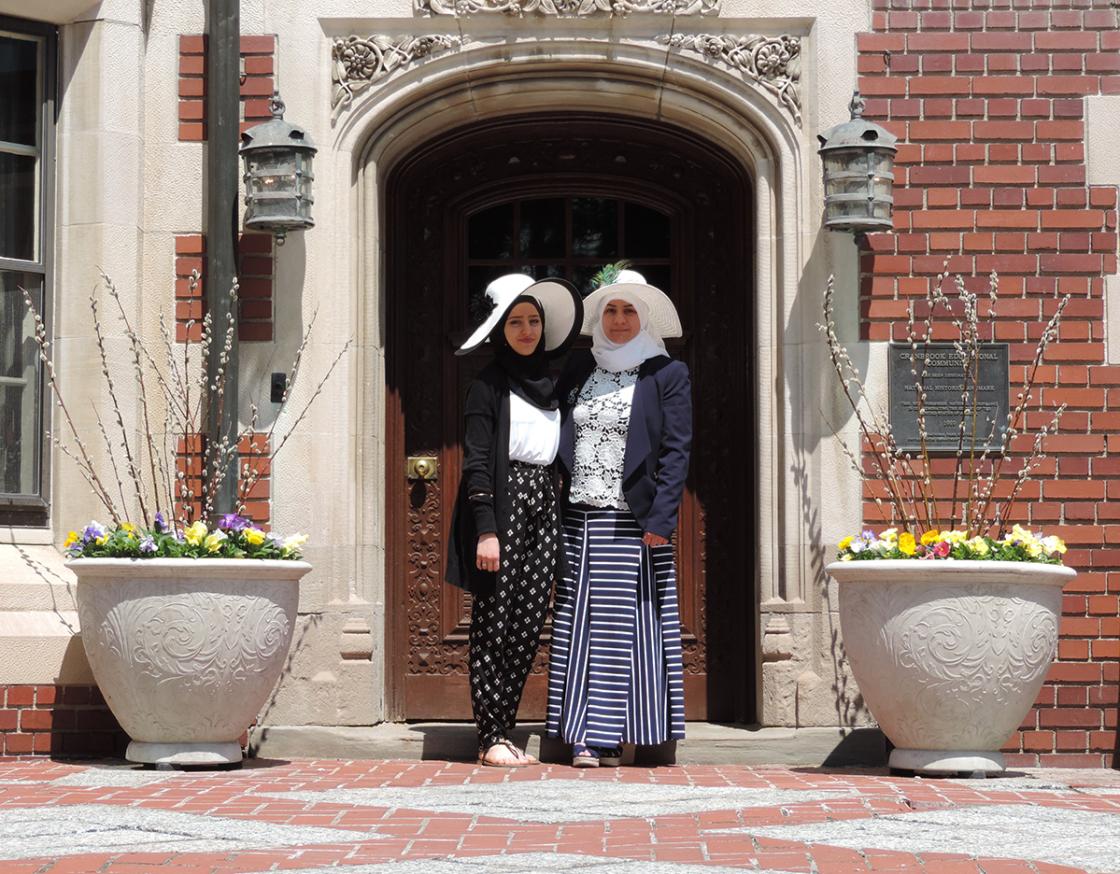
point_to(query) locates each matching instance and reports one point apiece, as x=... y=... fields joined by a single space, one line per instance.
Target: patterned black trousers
x=506 y=625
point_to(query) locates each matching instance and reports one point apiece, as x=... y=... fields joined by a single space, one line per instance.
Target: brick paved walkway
x=377 y=817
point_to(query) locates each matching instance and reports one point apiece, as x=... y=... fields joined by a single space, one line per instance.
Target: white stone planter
x=186 y=651
x=949 y=655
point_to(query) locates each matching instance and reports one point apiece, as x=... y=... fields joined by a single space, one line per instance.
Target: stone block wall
x=988 y=99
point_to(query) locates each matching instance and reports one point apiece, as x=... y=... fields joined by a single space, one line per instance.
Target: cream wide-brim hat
x=663 y=319
x=558 y=299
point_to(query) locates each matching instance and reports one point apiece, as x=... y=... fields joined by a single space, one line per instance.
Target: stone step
x=705 y=743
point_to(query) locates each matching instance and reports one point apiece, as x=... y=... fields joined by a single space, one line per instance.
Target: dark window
x=27 y=52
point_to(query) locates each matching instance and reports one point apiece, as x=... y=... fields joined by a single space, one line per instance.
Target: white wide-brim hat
x=663 y=319
x=563 y=309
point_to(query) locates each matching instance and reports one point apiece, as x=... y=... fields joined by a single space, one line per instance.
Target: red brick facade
x=255 y=274
x=258 y=55
x=57 y=720
x=987 y=99
x=253 y=453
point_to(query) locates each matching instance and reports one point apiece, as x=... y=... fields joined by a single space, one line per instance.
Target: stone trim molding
x=773 y=62
x=569 y=8
x=357 y=62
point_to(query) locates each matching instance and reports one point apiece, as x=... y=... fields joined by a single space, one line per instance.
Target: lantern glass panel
x=273 y=207
x=882 y=187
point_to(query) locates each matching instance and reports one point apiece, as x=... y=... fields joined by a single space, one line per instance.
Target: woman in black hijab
x=505 y=529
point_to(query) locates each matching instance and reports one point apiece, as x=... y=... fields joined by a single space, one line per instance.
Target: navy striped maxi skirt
x=615 y=674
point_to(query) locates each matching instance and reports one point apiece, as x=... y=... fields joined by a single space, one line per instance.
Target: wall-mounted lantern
x=278 y=175
x=858 y=158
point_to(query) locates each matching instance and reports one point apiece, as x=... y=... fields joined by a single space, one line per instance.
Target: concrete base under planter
x=190 y=755
x=947 y=762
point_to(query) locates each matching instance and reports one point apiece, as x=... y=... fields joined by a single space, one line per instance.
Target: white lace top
x=602 y=420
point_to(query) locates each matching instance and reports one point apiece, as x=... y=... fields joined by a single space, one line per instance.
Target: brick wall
x=255 y=275
x=254 y=454
x=258 y=54
x=987 y=99
x=58 y=721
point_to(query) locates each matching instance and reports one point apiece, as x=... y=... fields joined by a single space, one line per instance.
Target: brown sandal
x=519 y=760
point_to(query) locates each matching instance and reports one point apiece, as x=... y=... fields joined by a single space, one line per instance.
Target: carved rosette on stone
x=357 y=62
x=772 y=62
x=563 y=8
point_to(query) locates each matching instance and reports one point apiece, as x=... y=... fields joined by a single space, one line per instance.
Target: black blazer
x=485 y=471
x=658 y=442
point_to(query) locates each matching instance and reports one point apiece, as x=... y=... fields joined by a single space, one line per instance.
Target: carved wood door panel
x=560 y=197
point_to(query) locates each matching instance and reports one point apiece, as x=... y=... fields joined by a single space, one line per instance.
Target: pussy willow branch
x=138 y=353
x=90 y=472
x=839 y=357
x=133 y=471
x=1015 y=418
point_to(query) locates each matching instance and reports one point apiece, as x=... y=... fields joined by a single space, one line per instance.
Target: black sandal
x=518 y=756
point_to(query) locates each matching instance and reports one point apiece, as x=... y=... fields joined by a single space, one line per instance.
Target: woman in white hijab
x=615 y=675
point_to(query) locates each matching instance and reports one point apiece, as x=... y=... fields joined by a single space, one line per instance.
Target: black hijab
x=528 y=374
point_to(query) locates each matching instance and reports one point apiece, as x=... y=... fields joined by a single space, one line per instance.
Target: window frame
x=33 y=510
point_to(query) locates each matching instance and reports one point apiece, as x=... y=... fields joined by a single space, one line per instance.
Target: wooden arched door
x=562 y=196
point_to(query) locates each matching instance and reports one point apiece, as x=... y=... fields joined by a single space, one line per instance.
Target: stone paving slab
x=1051 y=834
x=535 y=863
x=73 y=830
x=439 y=817
x=560 y=800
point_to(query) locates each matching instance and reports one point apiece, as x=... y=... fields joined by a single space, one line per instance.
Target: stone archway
x=498 y=81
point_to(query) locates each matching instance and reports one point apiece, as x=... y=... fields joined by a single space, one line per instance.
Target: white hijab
x=617 y=357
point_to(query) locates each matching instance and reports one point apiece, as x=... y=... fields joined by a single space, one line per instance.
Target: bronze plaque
x=945 y=381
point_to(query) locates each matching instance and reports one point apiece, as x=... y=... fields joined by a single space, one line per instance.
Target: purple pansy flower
x=148 y=546
x=161 y=523
x=92 y=531
x=233 y=522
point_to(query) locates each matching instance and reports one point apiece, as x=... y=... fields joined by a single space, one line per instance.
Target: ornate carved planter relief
x=186 y=651
x=773 y=62
x=560 y=8
x=949 y=655
x=357 y=62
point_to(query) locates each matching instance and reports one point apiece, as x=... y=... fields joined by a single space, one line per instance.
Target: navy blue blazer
x=658 y=442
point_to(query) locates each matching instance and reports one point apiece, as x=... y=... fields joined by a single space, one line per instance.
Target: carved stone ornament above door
x=460 y=8
x=774 y=62
x=357 y=62
x=770 y=62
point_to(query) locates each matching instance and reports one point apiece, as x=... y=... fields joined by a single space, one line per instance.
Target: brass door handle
x=422 y=467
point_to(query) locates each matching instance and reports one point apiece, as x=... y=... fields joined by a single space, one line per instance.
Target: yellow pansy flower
x=978 y=545
x=214 y=541
x=1034 y=548
x=71 y=538
x=845 y=543
x=129 y=529
x=253 y=536
x=906 y=544
x=931 y=536
x=889 y=536
x=954 y=537
x=196 y=533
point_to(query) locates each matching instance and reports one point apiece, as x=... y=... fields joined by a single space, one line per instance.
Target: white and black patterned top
x=602 y=419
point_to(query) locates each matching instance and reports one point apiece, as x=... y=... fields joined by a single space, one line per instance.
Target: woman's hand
x=488 y=552
x=651 y=539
